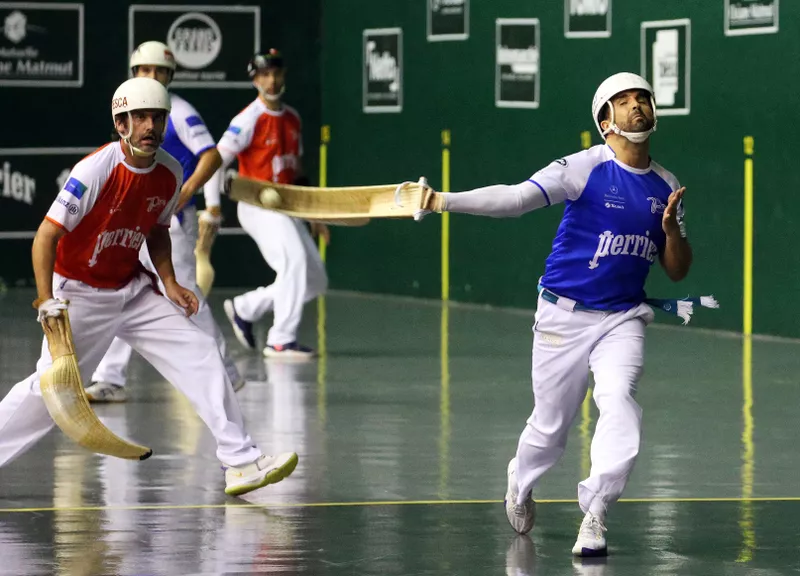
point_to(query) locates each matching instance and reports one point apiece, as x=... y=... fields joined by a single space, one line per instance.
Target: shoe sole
x=231 y=314
x=590 y=553
x=288 y=356
x=272 y=477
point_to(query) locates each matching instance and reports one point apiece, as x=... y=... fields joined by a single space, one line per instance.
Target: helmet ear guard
x=612 y=86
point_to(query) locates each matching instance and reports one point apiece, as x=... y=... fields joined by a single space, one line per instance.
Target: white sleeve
x=192 y=131
x=498 y=201
x=78 y=195
x=564 y=179
x=238 y=135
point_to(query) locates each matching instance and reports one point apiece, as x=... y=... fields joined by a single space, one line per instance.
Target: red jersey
x=108 y=209
x=267 y=143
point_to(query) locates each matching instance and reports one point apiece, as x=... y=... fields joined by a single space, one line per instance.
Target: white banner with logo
x=448 y=20
x=744 y=17
x=41 y=45
x=666 y=62
x=211 y=44
x=382 y=86
x=517 y=73
x=587 y=18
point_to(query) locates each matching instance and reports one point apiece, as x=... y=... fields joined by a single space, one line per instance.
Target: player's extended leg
x=109 y=379
x=94 y=316
x=183 y=235
x=279 y=239
x=316 y=275
x=617 y=362
x=189 y=359
x=560 y=371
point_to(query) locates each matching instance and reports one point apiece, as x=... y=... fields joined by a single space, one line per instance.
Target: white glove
x=51 y=309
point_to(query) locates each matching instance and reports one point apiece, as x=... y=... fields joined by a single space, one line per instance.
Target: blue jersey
x=187 y=136
x=610 y=233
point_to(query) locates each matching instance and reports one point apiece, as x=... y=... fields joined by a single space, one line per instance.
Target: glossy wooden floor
x=404 y=428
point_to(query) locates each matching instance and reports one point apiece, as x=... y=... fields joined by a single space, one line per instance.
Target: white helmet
x=608 y=89
x=139 y=94
x=153 y=54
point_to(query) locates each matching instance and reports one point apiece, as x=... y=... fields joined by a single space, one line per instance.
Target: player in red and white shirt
x=266 y=139
x=86 y=256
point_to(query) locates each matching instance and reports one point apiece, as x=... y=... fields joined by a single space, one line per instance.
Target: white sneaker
x=591 y=538
x=521 y=516
x=101 y=392
x=266 y=470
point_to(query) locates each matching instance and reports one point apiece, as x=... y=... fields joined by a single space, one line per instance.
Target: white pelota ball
x=270 y=198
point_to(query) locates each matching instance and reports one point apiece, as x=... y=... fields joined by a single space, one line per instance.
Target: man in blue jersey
x=622 y=212
x=188 y=141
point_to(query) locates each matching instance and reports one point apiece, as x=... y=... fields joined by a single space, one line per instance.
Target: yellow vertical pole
x=445 y=217
x=586 y=139
x=746 y=511
x=444 y=405
x=322 y=362
x=747 y=316
x=325 y=138
x=586 y=416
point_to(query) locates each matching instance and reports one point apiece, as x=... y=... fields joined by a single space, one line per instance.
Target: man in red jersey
x=86 y=256
x=266 y=139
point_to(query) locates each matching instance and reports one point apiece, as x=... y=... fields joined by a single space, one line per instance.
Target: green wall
x=743 y=85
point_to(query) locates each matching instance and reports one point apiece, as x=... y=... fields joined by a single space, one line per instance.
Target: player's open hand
x=183 y=297
x=669 y=222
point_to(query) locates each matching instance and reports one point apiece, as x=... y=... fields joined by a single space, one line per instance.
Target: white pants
x=289 y=249
x=114 y=365
x=159 y=331
x=566 y=345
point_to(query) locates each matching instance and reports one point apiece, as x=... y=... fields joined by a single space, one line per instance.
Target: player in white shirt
x=623 y=211
x=187 y=140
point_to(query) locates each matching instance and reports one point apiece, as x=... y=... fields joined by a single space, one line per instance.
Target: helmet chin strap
x=127 y=140
x=635 y=137
x=271 y=97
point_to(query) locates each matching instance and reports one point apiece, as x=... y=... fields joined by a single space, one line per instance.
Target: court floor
x=404 y=427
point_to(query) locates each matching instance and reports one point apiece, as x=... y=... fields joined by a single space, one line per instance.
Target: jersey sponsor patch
x=75 y=187
x=193 y=121
x=234 y=129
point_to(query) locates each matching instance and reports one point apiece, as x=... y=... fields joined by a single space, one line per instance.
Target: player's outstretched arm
x=44 y=257
x=215 y=184
x=207 y=165
x=498 y=201
x=677 y=256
